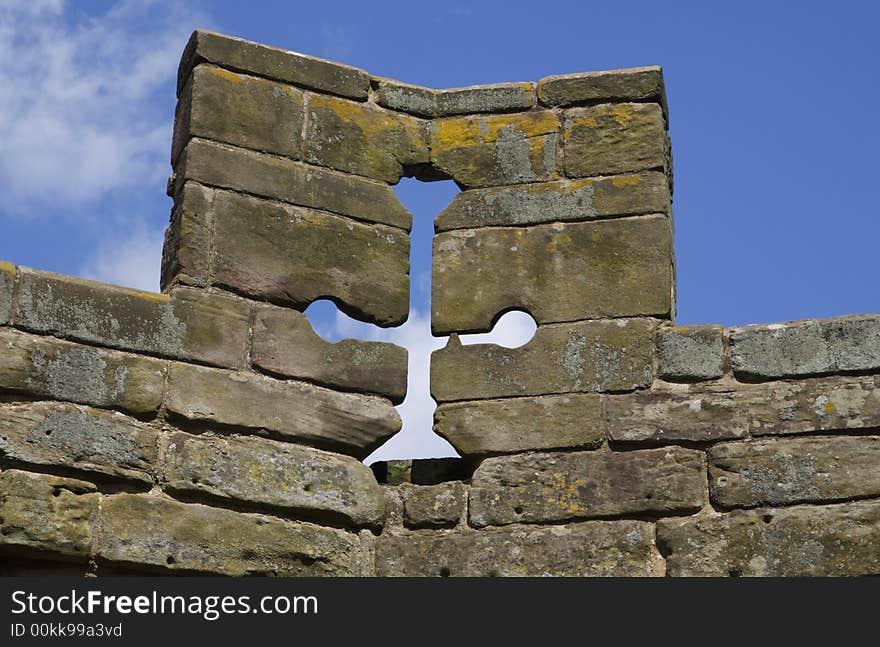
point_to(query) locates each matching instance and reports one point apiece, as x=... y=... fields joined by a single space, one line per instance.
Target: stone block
x=804 y=541
x=350 y=423
x=310 y=483
x=423 y=471
x=588 y=356
x=614 y=138
x=556 y=272
x=629 y=84
x=690 y=353
x=60 y=370
x=153 y=532
x=425 y=102
x=186 y=255
x=7 y=282
x=559 y=201
x=285 y=344
x=590 y=549
x=552 y=487
x=64 y=435
x=487 y=427
x=492 y=150
x=294 y=256
x=433 y=506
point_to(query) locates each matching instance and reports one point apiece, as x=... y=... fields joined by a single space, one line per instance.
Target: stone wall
x=208 y=429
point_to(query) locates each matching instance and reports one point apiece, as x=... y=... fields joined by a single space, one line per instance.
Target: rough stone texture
x=141 y=530
x=241 y=110
x=563 y=200
x=705 y=415
x=362 y=139
x=60 y=370
x=70 y=436
x=579 y=357
x=308 y=482
x=557 y=272
x=433 y=506
x=591 y=549
x=425 y=102
x=284 y=343
x=629 y=84
x=690 y=353
x=423 y=471
x=347 y=422
x=188 y=324
x=238 y=169
x=810 y=347
x=499 y=149
x=46 y=515
x=487 y=427
x=781 y=471
x=834 y=540
x=186 y=255
x=282 y=65
x=294 y=256
x=614 y=138
x=7 y=281
x=540 y=488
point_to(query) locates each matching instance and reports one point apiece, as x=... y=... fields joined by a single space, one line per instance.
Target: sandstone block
x=7 y=281
x=144 y=530
x=810 y=347
x=560 y=201
x=690 y=353
x=308 y=482
x=186 y=254
x=556 y=272
x=284 y=343
x=433 y=506
x=590 y=549
x=61 y=370
x=614 y=138
x=188 y=324
x=804 y=541
x=511 y=425
x=539 y=488
x=425 y=102
x=630 y=84
x=782 y=471
x=238 y=109
x=292 y=255
x=227 y=167
x=361 y=139
x=46 y=515
x=346 y=422
x=498 y=149
x=77 y=437
x=281 y=65
x=423 y=471
x=587 y=356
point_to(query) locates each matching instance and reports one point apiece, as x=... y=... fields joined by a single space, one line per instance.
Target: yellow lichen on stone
x=460 y=132
x=623 y=181
x=622 y=113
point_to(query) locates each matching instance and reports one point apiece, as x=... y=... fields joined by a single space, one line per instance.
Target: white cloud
x=132 y=260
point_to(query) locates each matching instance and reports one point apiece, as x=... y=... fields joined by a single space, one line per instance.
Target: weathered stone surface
x=138 y=530
x=284 y=343
x=42 y=514
x=565 y=358
x=433 y=506
x=61 y=370
x=423 y=471
x=425 y=102
x=538 y=488
x=293 y=255
x=563 y=200
x=810 y=347
x=309 y=482
x=272 y=177
x=188 y=324
x=511 y=425
x=347 y=422
x=238 y=109
x=591 y=549
x=71 y=436
x=186 y=254
x=499 y=149
x=556 y=272
x=705 y=415
x=690 y=353
x=362 y=139
x=614 y=138
x=282 y=65
x=629 y=84
x=833 y=540
x=782 y=471
x=7 y=281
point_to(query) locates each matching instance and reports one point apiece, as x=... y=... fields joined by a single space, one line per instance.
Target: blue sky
x=773 y=117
